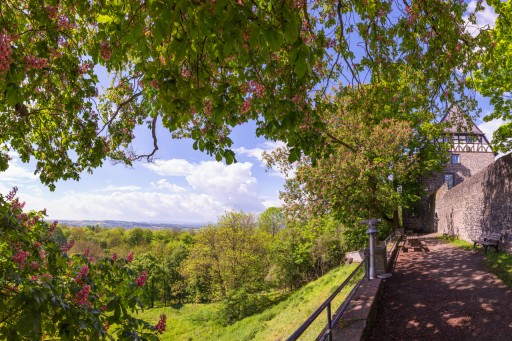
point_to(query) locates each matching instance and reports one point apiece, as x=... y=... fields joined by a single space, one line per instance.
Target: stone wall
x=481 y=203
x=471 y=163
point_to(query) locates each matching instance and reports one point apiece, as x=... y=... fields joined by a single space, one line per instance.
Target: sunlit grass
x=201 y=321
x=454 y=240
x=501 y=265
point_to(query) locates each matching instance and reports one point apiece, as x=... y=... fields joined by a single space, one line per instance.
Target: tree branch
x=119 y=107
x=149 y=157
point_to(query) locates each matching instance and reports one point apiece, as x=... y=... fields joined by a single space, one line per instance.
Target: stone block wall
x=471 y=163
x=482 y=203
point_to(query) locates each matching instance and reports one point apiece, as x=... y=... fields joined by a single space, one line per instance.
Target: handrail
x=333 y=320
x=327 y=304
x=393 y=237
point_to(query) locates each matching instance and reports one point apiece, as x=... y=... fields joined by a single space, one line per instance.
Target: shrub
x=46 y=293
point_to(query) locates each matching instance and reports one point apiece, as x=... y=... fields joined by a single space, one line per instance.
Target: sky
x=181 y=186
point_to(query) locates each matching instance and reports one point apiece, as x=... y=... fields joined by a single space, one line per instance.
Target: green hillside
x=199 y=321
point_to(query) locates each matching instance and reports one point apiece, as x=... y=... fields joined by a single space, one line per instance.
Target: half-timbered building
x=469 y=153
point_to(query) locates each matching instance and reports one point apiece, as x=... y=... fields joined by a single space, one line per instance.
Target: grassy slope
x=199 y=321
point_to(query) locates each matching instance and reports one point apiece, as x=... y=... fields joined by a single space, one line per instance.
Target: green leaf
x=117 y=312
x=103 y=19
x=11 y=96
x=300 y=65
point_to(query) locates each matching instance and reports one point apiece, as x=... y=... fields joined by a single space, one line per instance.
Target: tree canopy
x=200 y=68
x=494 y=78
x=376 y=160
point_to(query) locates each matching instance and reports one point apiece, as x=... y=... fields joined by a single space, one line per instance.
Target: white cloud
x=487 y=17
x=214 y=177
x=484 y=19
x=229 y=183
x=111 y=188
x=163 y=184
x=17 y=173
x=257 y=152
x=490 y=127
x=136 y=206
x=173 y=167
x=272 y=203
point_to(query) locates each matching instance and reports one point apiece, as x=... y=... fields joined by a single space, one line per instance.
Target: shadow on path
x=439 y=292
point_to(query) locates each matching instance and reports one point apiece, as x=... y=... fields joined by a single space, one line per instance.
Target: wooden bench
x=488 y=239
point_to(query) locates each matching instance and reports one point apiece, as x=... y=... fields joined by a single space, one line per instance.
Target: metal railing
x=332 y=320
x=392 y=252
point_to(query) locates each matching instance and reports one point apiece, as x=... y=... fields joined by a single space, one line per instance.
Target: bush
x=240 y=303
x=46 y=293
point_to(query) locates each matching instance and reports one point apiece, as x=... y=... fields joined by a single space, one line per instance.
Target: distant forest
x=241 y=260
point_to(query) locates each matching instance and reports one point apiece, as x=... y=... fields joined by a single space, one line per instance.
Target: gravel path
x=439 y=292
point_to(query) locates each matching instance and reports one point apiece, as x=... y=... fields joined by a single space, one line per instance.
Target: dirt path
x=439 y=292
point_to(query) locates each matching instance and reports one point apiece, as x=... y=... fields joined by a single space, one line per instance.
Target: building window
x=448 y=178
x=455 y=159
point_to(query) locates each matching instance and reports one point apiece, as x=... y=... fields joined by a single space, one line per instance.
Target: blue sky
x=183 y=185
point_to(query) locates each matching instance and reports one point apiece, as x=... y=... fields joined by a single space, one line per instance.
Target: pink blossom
x=20 y=257
x=129 y=259
x=141 y=280
x=105 y=50
x=185 y=72
x=83 y=273
x=33 y=62
x=52 y=227
x=246 y=106
x=67 y=246
x=160 y=326
x=114 y=256
x=5 y=56
x=12 y=193
x=52 y=11
x=85 y=67
x=64 y=23
x=81 y=296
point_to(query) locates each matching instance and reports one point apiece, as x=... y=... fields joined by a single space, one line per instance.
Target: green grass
x=499 y=264
x=201 y=322
x=454 y=240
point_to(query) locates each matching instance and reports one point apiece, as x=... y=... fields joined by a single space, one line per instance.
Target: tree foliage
x=200 y=68
x=377 y=157
x=494 y=78
x=232 y=254
x=272 y=220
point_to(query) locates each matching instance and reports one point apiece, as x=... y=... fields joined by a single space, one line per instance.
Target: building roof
x=460 y=123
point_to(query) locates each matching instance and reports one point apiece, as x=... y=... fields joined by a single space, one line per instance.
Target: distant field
x=199 y=322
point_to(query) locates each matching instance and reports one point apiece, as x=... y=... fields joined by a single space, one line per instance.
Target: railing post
x=372 y=232
x=329 y=321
